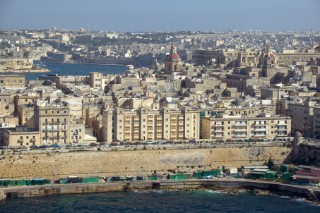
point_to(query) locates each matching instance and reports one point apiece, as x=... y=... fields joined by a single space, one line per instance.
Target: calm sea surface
x=76 y=69
x=158 y=201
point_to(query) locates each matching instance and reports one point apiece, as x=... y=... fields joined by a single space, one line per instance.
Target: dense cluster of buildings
x=243 y=93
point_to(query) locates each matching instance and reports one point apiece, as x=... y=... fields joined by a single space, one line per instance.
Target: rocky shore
x=231 y=186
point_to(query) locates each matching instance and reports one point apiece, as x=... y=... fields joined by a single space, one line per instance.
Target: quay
x=229 y=185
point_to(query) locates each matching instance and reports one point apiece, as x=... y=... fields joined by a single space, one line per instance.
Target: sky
x=161 y=15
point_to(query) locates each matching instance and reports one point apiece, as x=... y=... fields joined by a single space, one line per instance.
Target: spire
x=173 y=49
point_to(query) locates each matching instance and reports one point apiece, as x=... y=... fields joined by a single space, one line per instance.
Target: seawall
x=58 y=164
x=229 y=185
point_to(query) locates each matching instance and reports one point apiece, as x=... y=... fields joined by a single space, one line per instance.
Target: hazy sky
x=161 y=15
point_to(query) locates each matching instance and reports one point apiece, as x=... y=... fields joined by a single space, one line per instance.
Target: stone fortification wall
x=55 y=164
x=308 y=154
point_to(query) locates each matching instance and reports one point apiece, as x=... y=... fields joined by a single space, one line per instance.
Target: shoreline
x=83 y=63
x=25 y=71
x=230 y=186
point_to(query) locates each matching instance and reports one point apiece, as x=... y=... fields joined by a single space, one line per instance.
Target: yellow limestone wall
x=142 y=162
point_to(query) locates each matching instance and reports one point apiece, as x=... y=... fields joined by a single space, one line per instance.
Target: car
x=149 y=142
x=43 y=147
x=192 y=141
x=56 y=146
x=34 y=147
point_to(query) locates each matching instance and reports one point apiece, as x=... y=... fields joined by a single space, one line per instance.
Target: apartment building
x=263 y=126
x=146 y=124
x=52 y=120
x=20 y=136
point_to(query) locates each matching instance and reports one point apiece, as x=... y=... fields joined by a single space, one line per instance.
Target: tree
x=270 y=163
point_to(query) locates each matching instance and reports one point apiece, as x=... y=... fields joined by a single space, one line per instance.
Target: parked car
x=43 y=147
x=56 y=146
x=34 y=147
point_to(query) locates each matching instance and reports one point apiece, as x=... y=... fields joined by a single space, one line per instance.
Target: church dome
x=269 y=55
x=173 y=54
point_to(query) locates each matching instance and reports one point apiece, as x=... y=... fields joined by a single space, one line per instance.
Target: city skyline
x=166 y=15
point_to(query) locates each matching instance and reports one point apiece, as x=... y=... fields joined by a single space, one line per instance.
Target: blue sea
x=159 y=201
x=76 y=69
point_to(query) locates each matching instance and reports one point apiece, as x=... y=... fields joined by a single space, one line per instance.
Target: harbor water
x=159 y=201
x=75 y=69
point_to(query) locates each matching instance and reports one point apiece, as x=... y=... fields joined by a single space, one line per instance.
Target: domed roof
x=173 y=54
x=269 y=55
x=317 y=48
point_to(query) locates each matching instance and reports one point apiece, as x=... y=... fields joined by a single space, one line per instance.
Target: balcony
x=240 y=135
x=259 y=129
x=217 y=136
x=240 y=130
x=240 y=125
x=259 y=135
x=217 y=127
x=282 y=132
x=282 y=128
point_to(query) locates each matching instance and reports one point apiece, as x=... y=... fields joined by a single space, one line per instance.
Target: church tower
x=268 y=59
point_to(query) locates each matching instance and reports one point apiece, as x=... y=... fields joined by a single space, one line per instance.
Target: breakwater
x=229 y=185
